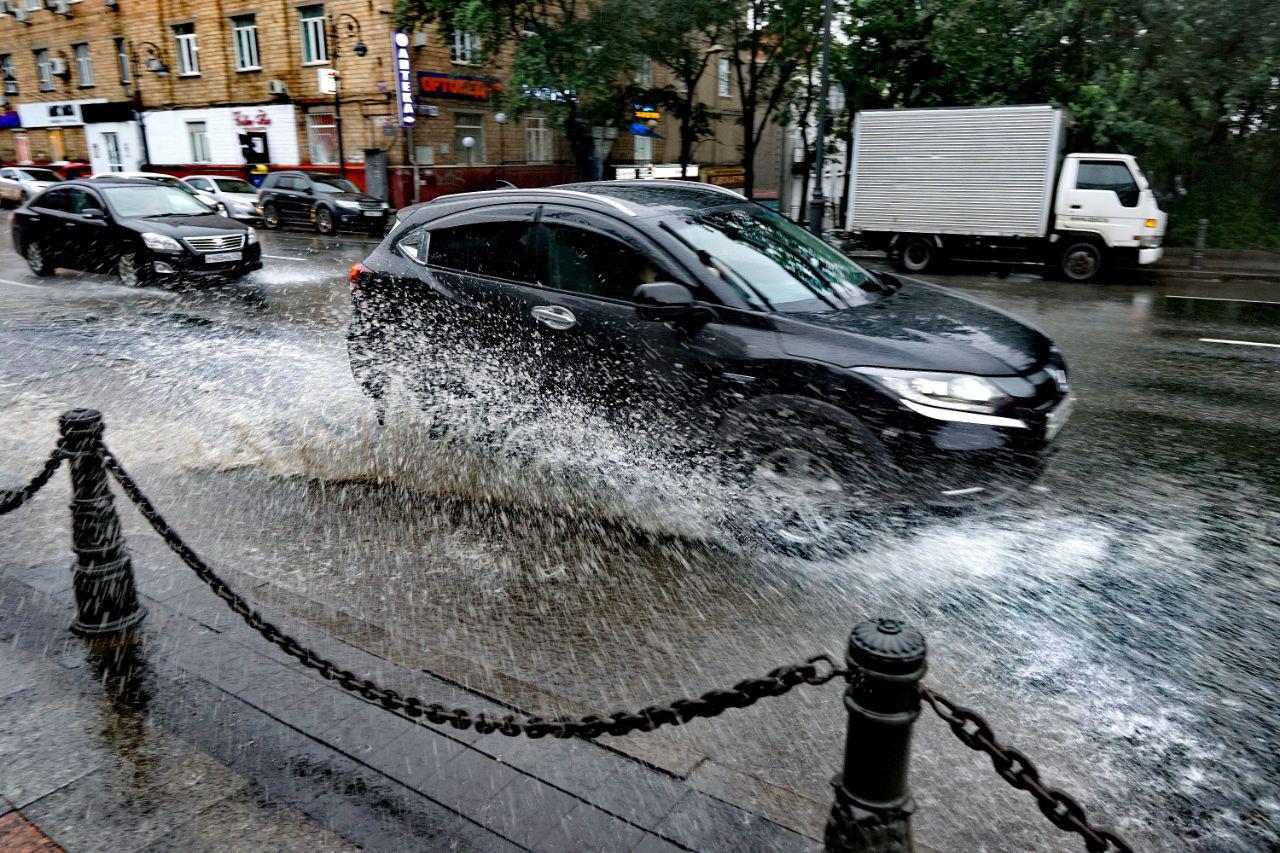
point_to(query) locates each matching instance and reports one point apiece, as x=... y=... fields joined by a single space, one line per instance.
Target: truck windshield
x=774 y=263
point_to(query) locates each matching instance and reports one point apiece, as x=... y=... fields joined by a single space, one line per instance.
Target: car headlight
x=161 y=243
x=349 y=205
x=252 y=238
x=943 y=390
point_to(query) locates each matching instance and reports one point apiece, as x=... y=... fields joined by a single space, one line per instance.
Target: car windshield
x=333 y=184
x=39 y=175
x=153 y=201
x=774 y=263
x=234 y=185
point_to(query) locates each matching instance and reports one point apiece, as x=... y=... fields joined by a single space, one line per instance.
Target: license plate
x=372 y=213
x=1057 y=419
x=222 y=257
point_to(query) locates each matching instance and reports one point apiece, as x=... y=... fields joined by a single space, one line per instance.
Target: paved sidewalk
x=197 y=735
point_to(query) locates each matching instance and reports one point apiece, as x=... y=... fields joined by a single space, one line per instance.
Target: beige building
x=192 y=87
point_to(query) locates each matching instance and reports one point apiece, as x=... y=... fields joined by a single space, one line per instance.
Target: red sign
x=434 y=84
x=259 y=119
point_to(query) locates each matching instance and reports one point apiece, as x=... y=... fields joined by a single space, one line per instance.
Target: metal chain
x=710 y=704
x=1060 y=808
x=11 y=499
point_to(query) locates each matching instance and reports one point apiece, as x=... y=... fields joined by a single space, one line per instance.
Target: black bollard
x=873 y=805
x=102 y=577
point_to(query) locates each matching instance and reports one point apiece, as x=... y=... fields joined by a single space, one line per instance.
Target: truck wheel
x=1081 y=261
x=919 y=254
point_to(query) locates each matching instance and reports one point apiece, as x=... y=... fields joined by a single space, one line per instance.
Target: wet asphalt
x=1119 y=626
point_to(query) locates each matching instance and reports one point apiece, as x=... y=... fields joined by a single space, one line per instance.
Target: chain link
x=710 y=704
x=11 y=499
x=1014 y=767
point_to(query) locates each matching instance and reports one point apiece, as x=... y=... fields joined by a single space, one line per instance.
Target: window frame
x=202 y=135
x=186 y=48
x=244 y=40
x=463 y=47
x=84 y=64
x=480 y=138
x=315 y=34
x=6 y=64
x=44 y=68
x=311 y=137
x=538 y=136
x=123 y=63
x=724 y=77
x=1121 y=164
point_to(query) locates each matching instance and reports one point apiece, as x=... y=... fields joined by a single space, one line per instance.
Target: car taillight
x=357 y=272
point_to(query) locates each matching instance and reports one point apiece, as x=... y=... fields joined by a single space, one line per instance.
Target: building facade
x=243 y=86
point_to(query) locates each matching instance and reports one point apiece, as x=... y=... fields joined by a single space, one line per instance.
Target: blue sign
x=404 y=77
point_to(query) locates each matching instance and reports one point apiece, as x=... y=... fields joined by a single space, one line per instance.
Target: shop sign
x=644 y=113
x=56 y=114
x=404 y=77
x=733 y=177
x=251 y=119
x=9 y=118
x=462 y=87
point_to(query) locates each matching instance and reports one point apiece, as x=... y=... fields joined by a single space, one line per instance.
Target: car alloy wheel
x=804 y=492
x=36 y=258
x=324 y=220
x=270 y=216
x=130 y=270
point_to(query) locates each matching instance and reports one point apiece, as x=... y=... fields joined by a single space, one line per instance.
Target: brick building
x=190 y=86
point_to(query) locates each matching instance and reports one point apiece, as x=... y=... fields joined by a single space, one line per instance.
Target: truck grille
x=216 y=242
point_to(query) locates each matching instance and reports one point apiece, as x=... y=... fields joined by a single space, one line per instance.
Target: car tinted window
x=233 y=185
x=773 y=262
x=292 y=182
x=59 y=199
x=38 y=174
x=157 y=200
x=497 y=249
x=586 y=262
x=333 y=184
x=199 y=183
x=1108 y=175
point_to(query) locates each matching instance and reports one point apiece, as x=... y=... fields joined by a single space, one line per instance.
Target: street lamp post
x=350 y=27
x=818 y=202
x=156 y=65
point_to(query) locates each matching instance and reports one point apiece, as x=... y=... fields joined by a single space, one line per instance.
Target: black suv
x=143 y=231
x=326 y=202
x=840 y=389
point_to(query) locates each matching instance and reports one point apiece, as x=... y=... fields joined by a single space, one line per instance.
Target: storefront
x=51 y=131
x=215 y=139
x=115 y=144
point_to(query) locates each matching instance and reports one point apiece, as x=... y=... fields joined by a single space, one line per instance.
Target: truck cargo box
x=986 y=171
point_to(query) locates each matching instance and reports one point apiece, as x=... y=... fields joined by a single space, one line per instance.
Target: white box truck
x=992 y=183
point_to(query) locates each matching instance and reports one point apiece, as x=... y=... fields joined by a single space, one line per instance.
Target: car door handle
x=1075 y=207
x=554 y=316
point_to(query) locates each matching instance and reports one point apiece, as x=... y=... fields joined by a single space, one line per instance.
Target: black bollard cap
x=888 y=646
x=80 y=421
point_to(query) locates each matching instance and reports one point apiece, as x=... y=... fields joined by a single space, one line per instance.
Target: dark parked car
x=326 y=202
x=143 y=231
x=841 y=390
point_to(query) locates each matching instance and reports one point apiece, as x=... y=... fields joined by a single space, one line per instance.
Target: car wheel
x=38 y=258
x=1081 y=261
x=810 y=485
x=270 y=216
x=132 y=270
x=918 y=254
x=324 y=220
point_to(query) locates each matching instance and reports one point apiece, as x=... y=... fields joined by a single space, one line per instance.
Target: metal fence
x=885 y=663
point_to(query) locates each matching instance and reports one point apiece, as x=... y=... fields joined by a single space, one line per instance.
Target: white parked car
x=237 y=195
x=19 y=183
x=169 y=181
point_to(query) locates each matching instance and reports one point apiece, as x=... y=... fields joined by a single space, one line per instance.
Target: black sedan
x=143 y=231
x=699 y=314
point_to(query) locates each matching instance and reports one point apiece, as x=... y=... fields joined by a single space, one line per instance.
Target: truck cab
x=1108 y=197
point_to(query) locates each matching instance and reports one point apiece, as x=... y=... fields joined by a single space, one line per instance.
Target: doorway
x=111 y=144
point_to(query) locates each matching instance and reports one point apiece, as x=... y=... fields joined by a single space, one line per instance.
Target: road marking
x=21 y=284
x=1237 y=343
x=285 y=258
x=1222 y=299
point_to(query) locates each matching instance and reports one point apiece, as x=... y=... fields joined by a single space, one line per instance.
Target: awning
x=9 y=118
x=639 y=128
x=110 y=111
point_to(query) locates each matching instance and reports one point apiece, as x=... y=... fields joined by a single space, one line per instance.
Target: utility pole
x=818 y=204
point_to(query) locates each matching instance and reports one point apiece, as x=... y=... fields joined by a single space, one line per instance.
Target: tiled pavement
x=200 y=736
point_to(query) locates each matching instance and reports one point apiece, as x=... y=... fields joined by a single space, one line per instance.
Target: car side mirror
x=667 y=300
x=93 y=213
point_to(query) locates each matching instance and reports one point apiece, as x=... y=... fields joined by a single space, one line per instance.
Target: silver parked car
x=237 y=195
x=19 y=183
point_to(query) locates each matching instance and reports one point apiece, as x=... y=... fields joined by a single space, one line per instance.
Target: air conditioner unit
x=277 y=87
x=58 y=66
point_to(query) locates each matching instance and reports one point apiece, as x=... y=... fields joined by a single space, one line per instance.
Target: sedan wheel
x=324 y=220
x=131 y=270
x=38 y=259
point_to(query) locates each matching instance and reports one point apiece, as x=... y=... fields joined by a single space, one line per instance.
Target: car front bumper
x=191 y=265
x=357 y=219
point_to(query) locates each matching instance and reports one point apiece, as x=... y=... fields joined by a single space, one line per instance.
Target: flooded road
x=1120 y=628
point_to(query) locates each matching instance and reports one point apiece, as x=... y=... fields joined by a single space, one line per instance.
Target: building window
x=468 y=126
x=22 y=148
x=466 y=47
x=198 y=133
x=537 y=140
x=644 y=74
x=322 y=134
x=44 y=69
x=7 y=72
x=643 y=149
x=122 y=58
x=188 y=50
x=84 y=65
x=315 y=50
x=245 y=30
x=723 y=78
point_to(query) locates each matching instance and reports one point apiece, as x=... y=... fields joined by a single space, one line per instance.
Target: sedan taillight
x=357 y=272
